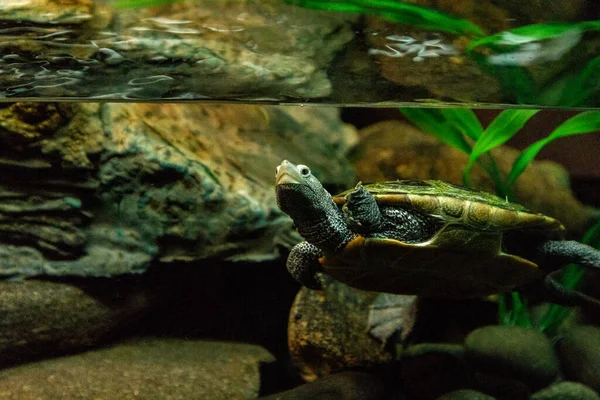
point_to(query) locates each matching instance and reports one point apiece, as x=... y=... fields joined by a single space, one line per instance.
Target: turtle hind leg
x=552 y=291
x=556 y=253
x=568 y=296
x=361 y=209
x=303 y=264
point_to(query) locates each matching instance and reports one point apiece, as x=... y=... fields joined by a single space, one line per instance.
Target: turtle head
x=298 y=191
x=301 y=196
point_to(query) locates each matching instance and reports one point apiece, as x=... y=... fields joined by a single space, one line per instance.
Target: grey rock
x=100 y=191
x=340 y=386
x=513 y=352
x=579 y=352
x=465 y=394
x=144 y=368
x=566 y=391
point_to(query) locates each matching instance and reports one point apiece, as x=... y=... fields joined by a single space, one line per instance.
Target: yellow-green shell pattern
x=465 y=258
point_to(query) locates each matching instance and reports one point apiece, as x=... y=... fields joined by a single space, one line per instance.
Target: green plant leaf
x=588 y=121
x=397 y=11
x=502 y=128
x=433 y=121
x=464 y=120
x=452 y=126
x=512 y=311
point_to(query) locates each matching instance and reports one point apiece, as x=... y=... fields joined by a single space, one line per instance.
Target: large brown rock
x=146 y=369
x=43 y=318
x=579 y=352
x=328 y=330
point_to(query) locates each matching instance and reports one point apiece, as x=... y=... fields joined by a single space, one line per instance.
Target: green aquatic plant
x=461 y=129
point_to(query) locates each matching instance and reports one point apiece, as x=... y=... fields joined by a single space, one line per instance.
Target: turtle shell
x=457 y=204
x=465 y=258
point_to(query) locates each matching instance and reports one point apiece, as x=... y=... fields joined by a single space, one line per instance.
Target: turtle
x=425 y=237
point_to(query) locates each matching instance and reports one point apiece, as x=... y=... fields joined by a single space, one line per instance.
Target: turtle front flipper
x=303 y=264
x=361 y=209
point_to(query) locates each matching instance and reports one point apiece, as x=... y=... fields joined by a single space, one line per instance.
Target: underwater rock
x=340 y=386
x=579 y=352
x=566 y=390
x=328 y=330
x=513 y=352
x=44 y=318
x=429 y=370
x=434 y=62
x=199 y=180
x=144 y=368
x=502 y=387
x=465 y=394
x=47 y=11
x=396 y=150
x=99 y=191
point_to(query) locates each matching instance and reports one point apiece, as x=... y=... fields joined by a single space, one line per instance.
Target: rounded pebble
x=579 y=352
x=465 y=394
x=342 y=386
x=514 y=352
x=566 y=391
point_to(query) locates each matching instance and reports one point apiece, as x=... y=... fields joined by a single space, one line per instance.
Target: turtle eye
x=277 y=171
x=304 y=170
